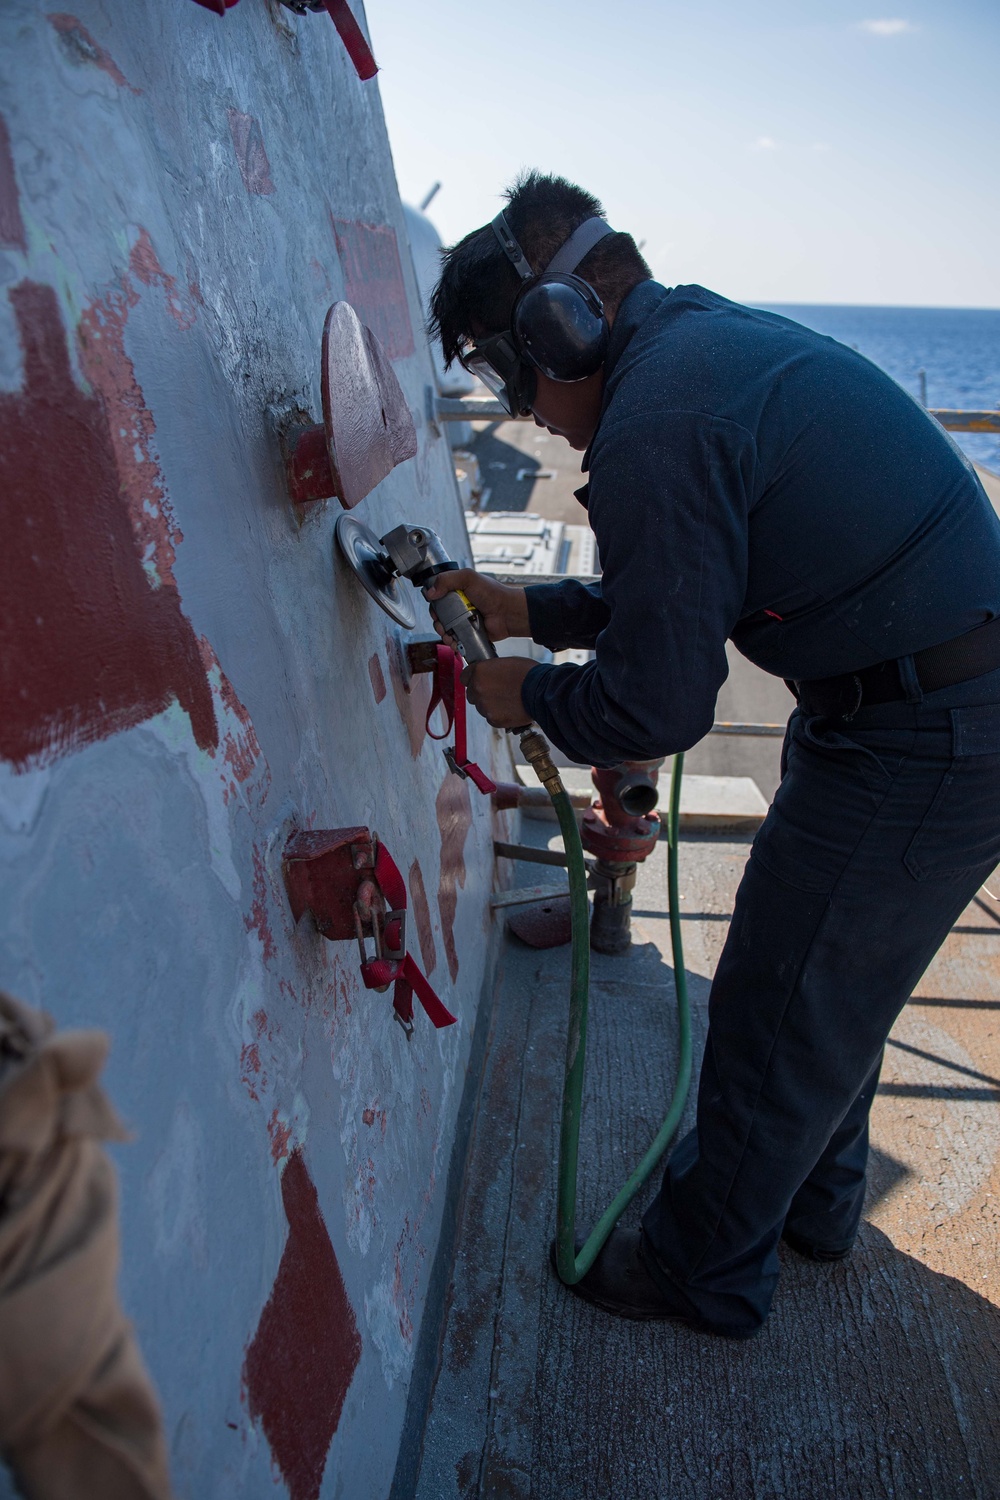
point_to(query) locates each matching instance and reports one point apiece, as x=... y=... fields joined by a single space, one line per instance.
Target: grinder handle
x=461 y=619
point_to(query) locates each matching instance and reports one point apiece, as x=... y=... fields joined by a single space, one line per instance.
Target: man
x=751 y=480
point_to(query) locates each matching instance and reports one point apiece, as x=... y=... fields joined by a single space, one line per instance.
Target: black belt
x=954 y=661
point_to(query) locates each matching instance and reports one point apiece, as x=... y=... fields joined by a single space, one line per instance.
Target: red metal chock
x=367 y=427
x=308 y=467
x=353 y=887
x=323 y=872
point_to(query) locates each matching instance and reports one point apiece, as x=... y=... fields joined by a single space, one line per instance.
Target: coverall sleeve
x=566 y=614
x=669 y=501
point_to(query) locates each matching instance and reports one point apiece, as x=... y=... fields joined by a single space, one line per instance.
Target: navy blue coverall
x=752 y=480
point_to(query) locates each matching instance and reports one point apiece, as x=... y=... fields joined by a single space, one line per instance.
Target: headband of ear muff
x=558 y=319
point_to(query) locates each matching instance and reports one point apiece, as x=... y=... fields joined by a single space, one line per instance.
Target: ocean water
x=958 y=348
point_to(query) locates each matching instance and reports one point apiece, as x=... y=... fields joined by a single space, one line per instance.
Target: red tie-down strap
x=343 y=18
x=449 y=691
x=352 y=37
x=396 y=966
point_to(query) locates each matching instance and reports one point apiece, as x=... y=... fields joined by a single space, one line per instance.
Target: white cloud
x=888 y=27
x=764 y=143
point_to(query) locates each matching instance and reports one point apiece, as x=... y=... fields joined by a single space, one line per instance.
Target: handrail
x=488 y=409
x=966 y=421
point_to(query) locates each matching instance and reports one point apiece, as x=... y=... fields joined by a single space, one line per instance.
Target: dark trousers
x=881 y=832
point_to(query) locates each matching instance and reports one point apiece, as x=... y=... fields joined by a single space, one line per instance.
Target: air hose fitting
x=536 y=752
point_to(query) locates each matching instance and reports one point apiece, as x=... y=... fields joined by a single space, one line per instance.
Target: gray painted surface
x=140 y=882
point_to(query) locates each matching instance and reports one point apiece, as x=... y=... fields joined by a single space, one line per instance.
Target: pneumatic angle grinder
x=620 y=829
x=418 y=554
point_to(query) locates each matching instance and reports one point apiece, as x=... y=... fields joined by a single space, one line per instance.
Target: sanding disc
x=373 y=566
x=543 y=924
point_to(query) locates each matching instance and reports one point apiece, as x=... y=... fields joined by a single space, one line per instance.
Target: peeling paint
x=280 y=1134
x=145 y=266
x=81 y=47
x=258 y=918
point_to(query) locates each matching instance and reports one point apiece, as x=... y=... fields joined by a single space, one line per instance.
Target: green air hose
x=572 y=1266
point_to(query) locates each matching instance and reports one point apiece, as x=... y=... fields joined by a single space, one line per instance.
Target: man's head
x=479 y=286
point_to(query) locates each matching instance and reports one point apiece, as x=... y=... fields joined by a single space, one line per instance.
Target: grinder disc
x=373 y=566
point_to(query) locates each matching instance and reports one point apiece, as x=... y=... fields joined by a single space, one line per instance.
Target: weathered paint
x=376 y=677
x=251 y=155
x=198 y=681
x=412 y=695
x=92 y=645
x=11 y=223
x=454 y=815
x=422 y=917
x=373 y=277
x=82 y=49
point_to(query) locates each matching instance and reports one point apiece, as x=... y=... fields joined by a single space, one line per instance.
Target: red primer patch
x=258 y=920
x=251 y=157
x=145 y=266
x=11 y=223
x=94 y=639
x=131 y=428
x=376 y=676
x=300 y=1362
x=82 y=48
x=420 y=907
x=454 y=816
x=250 y=1069
x=412 y=698
x=241 y=752
x=373 y=282
x=280 y=1135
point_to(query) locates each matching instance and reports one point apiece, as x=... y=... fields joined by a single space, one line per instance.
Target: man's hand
x=504 y=609
x=494 y=688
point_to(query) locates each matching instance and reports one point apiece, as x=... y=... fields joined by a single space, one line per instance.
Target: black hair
x=478 y=284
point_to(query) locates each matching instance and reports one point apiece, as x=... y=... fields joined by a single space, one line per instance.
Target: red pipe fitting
x=610 y=832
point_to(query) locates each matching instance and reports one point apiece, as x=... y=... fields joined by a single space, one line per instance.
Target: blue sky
x=774 y=150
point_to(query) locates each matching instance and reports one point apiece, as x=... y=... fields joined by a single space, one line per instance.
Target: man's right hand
x=504 y=608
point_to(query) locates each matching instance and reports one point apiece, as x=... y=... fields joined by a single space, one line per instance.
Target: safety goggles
x=504 y=371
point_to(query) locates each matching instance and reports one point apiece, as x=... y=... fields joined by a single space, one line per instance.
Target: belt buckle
x=858 y=695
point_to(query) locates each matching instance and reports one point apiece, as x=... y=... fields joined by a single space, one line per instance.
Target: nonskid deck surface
x=878 y=1377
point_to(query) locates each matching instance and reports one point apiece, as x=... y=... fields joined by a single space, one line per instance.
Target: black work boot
x=827 y=1254
x=625 y=1281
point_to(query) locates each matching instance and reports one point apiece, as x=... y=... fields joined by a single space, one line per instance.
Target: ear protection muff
x=557 y=320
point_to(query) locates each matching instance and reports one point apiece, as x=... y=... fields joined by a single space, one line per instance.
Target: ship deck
x=877 y=1377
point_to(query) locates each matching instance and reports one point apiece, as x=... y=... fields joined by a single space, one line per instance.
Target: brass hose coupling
x=539 y=757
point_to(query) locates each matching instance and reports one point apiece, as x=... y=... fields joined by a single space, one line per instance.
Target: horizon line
x=883 y=306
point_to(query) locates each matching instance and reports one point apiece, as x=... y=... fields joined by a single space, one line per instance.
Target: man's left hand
x=494 y=688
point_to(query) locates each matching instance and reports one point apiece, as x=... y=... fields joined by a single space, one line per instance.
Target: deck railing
x=486 y=409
